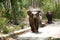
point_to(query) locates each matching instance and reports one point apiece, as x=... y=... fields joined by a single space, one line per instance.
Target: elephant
x=34 y=20
x=49 y=16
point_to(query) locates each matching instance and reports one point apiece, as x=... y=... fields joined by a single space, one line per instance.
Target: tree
x=14 y=11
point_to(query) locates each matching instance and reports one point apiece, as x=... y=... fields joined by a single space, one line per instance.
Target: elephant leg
x=31 y=21
x=36 y=25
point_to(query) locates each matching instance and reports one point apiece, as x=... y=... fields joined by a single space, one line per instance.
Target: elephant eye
x=34 y=12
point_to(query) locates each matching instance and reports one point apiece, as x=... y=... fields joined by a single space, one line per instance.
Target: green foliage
x=57 y=13
x=22 y=24
x=3 y=23
x=47 y=5
x=5 y=30
x=17 y=27
x=51 y=5
x=8 y=29
x=1 y=0
x=21 y=15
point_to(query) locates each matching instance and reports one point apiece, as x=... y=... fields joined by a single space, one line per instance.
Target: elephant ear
x=29 y=13
x=38 y=12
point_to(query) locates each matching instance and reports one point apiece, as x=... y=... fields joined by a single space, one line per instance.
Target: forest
x=13 y=13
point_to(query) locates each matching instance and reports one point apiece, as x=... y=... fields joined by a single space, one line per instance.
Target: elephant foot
x=34 y=31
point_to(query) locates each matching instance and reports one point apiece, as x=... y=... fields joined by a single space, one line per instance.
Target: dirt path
x=51 y=30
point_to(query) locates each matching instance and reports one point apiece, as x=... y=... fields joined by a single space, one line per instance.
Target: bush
x=22 y=25
x=3 y=24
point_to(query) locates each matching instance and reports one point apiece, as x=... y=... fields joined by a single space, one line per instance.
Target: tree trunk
x=34 y=3
x=14 y=11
